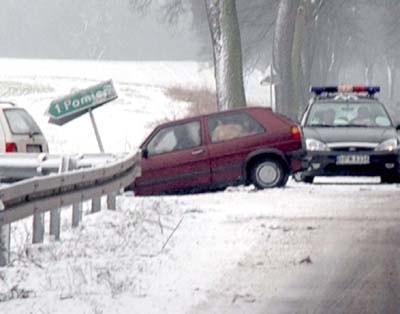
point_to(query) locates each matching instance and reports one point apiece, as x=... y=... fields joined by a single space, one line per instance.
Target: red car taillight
x=11 y=147
x=296 y=133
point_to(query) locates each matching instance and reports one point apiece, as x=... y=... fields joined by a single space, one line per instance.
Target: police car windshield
x=348 y=114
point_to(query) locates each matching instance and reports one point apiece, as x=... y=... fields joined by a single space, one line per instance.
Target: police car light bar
x=371 y=90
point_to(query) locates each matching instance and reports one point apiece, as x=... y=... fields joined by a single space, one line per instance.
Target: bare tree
x=140 y=5
x=391 y=47
x=283 y=47
x=227 y=53
x=314 y=42
x=224 y=29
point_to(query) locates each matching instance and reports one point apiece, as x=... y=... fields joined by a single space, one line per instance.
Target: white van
x=19 y=133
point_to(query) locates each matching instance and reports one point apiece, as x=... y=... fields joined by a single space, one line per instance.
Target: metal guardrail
x=71 y=186
x=17 y=166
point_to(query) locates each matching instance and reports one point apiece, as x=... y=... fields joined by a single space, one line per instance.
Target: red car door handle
x=198 y=151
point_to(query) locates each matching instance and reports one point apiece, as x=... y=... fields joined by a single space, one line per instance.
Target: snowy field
x=208 y=253
x=123 y=123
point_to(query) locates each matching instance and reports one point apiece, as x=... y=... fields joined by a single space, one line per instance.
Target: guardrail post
x=5 y=237
x=38 y=228
x=111 y=201
x=55 y=214
x=76 y=214
x=4 y=245
x=96 y=204
x=47 y=191
x=55 y=223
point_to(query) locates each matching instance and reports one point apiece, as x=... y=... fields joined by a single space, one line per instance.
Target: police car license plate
x=352 y=160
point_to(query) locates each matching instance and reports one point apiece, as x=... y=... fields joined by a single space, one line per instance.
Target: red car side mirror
x=145 y=153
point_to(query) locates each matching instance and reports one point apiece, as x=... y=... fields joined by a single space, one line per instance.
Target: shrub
x=201 y=100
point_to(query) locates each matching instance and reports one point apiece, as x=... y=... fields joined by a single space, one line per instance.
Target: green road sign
x=67 y=108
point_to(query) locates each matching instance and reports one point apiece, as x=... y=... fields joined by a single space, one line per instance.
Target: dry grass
x=201 y=100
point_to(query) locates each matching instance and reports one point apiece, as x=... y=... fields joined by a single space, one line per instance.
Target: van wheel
x=268 y=173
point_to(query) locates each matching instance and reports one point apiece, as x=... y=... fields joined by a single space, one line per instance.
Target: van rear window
x=21 y=122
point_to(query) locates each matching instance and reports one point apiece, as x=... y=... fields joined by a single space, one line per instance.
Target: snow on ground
x=188 y=254
x=206 y=253
x=122 y=123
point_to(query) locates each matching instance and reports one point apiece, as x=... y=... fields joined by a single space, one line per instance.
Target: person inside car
x=225 y=132
x=327 y=117
x=183 y=139
x=363 y=116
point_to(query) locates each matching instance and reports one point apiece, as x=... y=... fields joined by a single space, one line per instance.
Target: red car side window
x=232 y=126
x=174 y=138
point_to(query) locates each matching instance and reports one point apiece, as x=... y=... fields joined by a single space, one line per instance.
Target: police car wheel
x=300 y=177
x=307 y=179
x=390 y=179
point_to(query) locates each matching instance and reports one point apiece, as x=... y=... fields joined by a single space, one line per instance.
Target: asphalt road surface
x=338 y=252
x=357 y=269
x=361 y=277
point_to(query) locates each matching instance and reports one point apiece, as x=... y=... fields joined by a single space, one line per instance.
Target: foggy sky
x=91 y=29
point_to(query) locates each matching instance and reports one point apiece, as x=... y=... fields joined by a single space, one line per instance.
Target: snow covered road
x=334 y=250
x=239 y=251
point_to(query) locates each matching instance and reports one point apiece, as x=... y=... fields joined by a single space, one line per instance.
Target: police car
x=348 y=131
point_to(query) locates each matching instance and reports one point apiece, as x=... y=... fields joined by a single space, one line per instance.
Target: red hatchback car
x=243 y=146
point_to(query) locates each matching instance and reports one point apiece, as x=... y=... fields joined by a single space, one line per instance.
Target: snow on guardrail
x=74 y=184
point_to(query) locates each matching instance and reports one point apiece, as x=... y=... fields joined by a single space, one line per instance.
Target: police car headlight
x=315 y=145
x=388 y=145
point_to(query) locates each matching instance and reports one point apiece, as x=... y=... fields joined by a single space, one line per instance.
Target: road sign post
x=72 y=106
x=96 y=131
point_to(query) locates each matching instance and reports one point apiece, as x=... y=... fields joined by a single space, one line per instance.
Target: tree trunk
x=308 y=52
x=283 y=46
x=297 y=66
x=369 y=73
x=335 y=65
x=227 y=52
x=391 y=77
x=393 y=84
x=333 y=74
